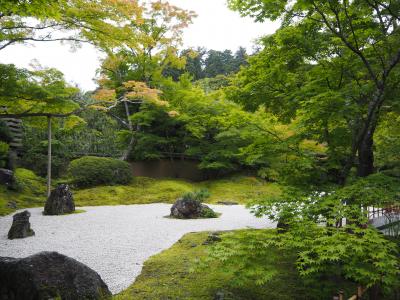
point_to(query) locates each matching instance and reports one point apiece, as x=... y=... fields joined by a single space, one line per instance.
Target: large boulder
x=60 y=202
x=21 y=228
x=191 y=209
x=49 y=275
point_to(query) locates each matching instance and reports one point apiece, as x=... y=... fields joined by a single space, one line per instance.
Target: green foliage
x=38 y=91
x=208 y=213
x=80 y=20
x=5 y=134
x=363 y=257
x=387 y=142
x=377 y=190
x=209 y=64
x=30 y=191
x=28 y=182
x=35 y=157
x=91 y=133
x=213 y=84
x=174 y=273
x=90 y=171
x=354 y=250
x=3 y=153
x=223 y=62
x=327 y=79
x=199 y=195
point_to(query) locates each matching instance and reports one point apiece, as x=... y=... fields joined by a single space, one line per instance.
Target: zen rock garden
x=60 y=202
x=48 y=275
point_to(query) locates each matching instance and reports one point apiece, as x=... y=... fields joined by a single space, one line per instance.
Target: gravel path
x=115 y=241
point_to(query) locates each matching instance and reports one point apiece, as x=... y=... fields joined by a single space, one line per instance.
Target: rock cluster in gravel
x=191 y=209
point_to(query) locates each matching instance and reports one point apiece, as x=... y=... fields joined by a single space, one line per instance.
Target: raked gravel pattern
x=115 y=241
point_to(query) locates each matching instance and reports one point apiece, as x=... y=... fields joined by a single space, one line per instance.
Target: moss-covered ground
x=170 y=275
x=142 y=190
x=31 y=191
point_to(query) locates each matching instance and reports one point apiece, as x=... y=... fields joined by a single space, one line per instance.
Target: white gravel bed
x=115 y=241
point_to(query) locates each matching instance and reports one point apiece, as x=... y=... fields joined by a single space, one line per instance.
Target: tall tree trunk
x=366 y=155
x=363 y=140
x=48 y=156
x=128 y=149
x=375 y=292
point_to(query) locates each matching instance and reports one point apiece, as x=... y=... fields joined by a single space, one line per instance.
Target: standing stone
x=49 y=275
x=60 y=201
x=21 y=228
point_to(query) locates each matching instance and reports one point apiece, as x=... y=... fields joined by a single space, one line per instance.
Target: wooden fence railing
x=375 y=212
x=360 y=292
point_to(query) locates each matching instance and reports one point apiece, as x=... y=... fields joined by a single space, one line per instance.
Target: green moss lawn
x=146 y=190
x=169 y=275
x=31 y=191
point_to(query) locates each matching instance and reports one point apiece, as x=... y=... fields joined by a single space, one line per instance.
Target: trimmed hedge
x=90 y=171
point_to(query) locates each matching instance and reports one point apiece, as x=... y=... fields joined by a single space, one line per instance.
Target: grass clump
x=173 y=274
x=199 y=195
x=91 y=171
x=208 y=213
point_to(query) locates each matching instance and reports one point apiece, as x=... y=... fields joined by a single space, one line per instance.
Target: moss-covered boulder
x=190 y=206
x=21 y=228
x=49 y=275
x=60 y=202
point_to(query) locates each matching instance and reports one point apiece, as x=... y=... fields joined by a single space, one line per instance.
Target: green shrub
x=208 y=213
x=29 y=183
x=91 y=171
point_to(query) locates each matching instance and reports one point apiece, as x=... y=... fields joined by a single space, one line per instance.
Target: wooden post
x=48 y=156
x=341 y=295
x=360 y=292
